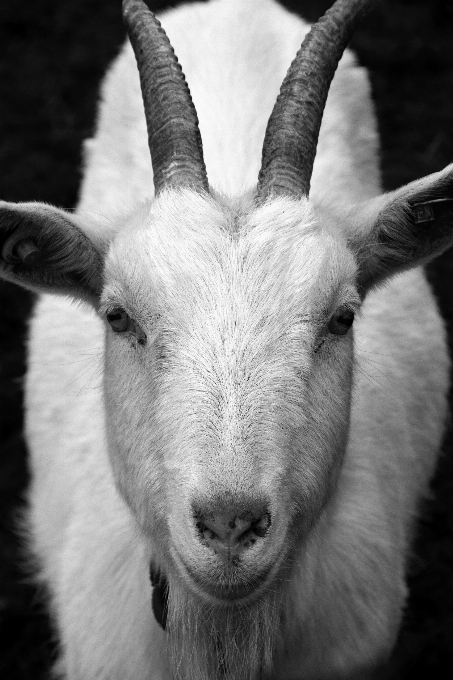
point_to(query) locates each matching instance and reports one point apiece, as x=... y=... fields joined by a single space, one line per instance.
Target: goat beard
x=208 y=641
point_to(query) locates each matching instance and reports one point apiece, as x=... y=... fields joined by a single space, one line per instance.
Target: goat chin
x=207 y=641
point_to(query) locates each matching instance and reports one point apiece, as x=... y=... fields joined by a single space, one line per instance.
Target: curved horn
x=173 y=134
x=292 y=131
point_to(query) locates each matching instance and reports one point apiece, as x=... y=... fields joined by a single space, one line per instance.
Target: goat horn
x=173 y=134
x=292 y=131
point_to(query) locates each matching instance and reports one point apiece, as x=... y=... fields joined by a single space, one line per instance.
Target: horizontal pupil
x=118 y=320
x=345 y=320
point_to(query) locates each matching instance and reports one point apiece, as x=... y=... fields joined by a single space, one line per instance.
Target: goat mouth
x=232 y=587
x=229 y=590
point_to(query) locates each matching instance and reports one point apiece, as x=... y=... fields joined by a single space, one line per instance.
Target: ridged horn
x=173 y=133
x=291 y=138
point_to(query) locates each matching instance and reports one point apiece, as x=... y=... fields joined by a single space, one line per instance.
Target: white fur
x=230 y=299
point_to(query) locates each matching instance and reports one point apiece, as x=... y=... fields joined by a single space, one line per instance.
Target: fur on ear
x=45 y=249
x=402 y=229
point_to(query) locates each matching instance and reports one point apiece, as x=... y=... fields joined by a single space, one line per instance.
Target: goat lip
x=224 y=589
x=230 y=593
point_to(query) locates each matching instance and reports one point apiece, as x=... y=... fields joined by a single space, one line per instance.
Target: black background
x=53 y=54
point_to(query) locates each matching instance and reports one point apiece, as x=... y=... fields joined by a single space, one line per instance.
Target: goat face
x=229 y=352
x=219 y=383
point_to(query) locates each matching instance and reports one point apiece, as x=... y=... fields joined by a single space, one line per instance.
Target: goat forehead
x=224 y=264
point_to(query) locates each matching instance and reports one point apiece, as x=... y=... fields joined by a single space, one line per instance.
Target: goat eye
x=341 y=321
x=119 y=320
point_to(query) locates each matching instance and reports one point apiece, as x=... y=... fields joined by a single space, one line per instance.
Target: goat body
x=241 y=393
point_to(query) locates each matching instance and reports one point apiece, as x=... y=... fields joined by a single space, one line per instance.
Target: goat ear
x=46 y=250
x=403 y=229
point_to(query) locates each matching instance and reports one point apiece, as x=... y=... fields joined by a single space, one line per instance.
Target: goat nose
x=229 y=533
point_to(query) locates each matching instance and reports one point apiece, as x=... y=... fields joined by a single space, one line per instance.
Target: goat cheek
x=130 y=433
x=318 y=448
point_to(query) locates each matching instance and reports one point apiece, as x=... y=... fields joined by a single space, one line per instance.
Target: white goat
x=238 y=442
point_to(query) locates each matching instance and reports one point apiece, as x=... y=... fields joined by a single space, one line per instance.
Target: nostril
x=231 y=532
x=261 y=526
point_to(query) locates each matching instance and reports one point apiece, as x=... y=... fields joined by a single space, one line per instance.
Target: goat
x=236 y=447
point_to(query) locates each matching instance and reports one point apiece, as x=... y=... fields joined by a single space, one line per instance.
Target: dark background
x=53 y=54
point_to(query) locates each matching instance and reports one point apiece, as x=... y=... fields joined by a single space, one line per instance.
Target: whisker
x=375 y=382
x=374 y=366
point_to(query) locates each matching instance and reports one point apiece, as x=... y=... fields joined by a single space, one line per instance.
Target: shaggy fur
x=241 y=392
